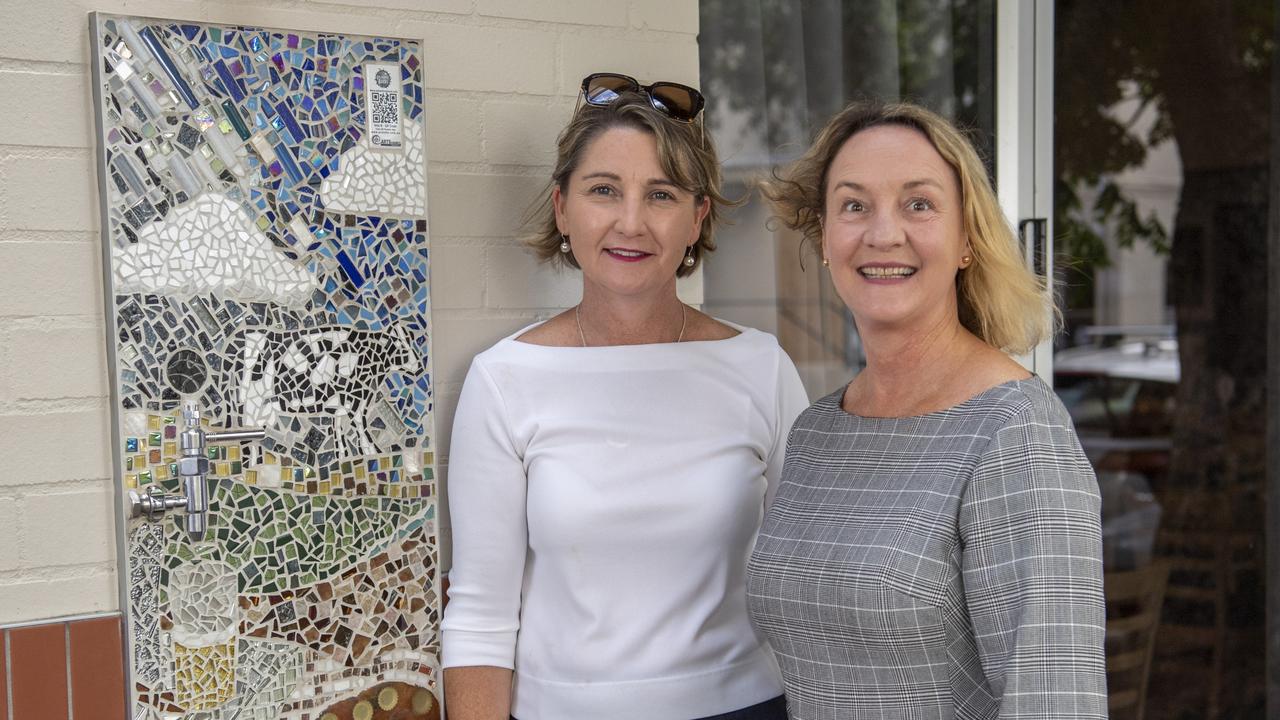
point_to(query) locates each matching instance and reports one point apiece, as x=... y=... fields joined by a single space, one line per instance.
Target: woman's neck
x=608 y=319
x=912 y=372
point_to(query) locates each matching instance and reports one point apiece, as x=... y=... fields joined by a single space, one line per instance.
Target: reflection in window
x=1161 y=216
x=774 y=71
x=1162 y=132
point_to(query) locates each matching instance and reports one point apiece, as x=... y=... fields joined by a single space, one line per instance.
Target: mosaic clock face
x=186 y=372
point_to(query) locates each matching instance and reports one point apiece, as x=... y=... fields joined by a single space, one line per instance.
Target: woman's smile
x=886 y=273
x=627 y=255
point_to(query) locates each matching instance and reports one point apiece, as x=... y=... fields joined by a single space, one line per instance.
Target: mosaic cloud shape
x=210 y=246
x=366 y=180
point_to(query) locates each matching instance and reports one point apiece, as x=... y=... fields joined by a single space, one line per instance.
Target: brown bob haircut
x=685 y=154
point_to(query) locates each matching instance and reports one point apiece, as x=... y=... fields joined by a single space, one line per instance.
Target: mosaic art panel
x=263 y=212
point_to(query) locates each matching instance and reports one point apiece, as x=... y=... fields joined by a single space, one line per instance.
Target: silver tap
x=193 y=467
x=153 y=503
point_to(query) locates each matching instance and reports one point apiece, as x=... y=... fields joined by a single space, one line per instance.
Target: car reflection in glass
x=1120 y=391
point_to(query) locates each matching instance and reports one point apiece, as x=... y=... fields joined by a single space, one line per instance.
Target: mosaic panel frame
x=266 y=257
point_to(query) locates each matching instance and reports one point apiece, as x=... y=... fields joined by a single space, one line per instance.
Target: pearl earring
x=825 y=262
x=564 y=243
x=688 y=257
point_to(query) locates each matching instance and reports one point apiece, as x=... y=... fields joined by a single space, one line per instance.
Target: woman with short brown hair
x=610 y=466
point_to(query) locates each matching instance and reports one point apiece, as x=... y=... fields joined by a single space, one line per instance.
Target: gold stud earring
x=965 y=260
x=825 y=261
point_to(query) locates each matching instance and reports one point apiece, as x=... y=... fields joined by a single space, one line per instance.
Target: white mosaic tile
x=267 y=675
x=389 y=182
x=210 y=246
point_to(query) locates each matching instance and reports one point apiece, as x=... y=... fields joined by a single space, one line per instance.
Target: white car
x=1121 y=392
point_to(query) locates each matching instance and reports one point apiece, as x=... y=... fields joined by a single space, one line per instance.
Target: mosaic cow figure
x=330 y=371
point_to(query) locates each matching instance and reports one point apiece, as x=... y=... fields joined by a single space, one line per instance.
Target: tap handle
x=194 y=437
x=152 y=503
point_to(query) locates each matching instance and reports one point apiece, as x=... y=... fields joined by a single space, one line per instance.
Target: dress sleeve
x=1032 y=569
x=791 y=401
x=487 y=490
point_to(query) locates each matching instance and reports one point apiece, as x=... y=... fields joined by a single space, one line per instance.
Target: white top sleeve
x=490 y=536
x=792 y=400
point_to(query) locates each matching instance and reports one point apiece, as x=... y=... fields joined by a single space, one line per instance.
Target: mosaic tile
x=339 y=690
x=330 y=371
x=146 y=558
x=210 y=246
x=203 y=613
x=205 y=675
x=383 y=603
x=359 y=179
x=281 y=541
x=264 y=201
x=267 y=673
x=392 y=700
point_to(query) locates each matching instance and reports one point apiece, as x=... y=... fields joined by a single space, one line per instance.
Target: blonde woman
x=934 y=549
x=610 y=466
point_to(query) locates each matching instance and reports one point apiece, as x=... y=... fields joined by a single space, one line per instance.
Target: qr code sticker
x=385 y=107
x=382 y=99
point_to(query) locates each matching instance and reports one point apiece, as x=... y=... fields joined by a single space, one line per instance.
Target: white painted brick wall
x=65 y=440
x=524 y=132
x=518 y=280
x=645 y=56
x=453 y=129
x=460 y=288
x=579 y=12
x=48 y=190
x=52 y=358
x=32 y=123
x=501 y=77
x=84 y=538
x=42 y=592
x=10 y=537
x=479 y=205
x=44 y=286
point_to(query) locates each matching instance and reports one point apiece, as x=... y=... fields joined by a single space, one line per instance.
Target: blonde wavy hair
x=685 y=154
x=1000 y=300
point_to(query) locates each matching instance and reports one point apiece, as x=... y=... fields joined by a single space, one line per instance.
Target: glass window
x=774 y=71
x=1161 y=148
x=1164 y=217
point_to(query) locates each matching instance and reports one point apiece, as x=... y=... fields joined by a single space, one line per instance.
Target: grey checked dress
x=947 y=565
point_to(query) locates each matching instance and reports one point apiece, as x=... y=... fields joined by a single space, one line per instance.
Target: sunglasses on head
x=678 y=102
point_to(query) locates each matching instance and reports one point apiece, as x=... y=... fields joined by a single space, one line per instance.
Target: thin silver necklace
x=577 y=318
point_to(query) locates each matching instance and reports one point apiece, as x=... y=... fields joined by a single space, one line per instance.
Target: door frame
x=1024 y=141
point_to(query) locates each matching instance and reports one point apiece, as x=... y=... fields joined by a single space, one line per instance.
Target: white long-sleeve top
x=604 y=501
